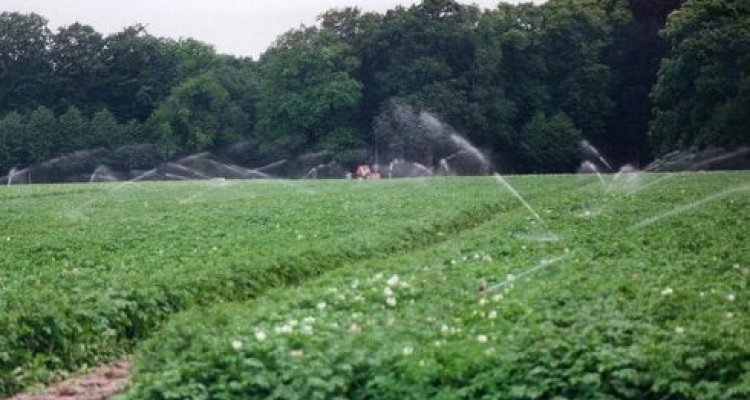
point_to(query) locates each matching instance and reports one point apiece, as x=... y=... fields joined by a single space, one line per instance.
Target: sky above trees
x=239 y=27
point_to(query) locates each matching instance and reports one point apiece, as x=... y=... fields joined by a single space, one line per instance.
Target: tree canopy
x=308 y=89
x=702 y=96
x=525 y=83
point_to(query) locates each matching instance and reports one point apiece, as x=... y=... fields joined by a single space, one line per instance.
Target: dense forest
x=525 y=83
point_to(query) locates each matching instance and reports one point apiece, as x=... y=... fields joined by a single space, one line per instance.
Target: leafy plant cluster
x=88 y=271
x=613 y=296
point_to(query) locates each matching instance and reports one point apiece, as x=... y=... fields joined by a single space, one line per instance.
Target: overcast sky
x=240 y=27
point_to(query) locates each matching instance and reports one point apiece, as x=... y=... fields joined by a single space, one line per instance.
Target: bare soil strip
x=100 y=384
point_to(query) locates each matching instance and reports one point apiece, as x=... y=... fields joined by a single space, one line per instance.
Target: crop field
x=633 y=286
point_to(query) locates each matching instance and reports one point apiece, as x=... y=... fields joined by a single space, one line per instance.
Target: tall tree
x=357 y=29
x=702 y=96
x=635 y=55
x=104 y=130
x=12 y=151
x=424 y=56
x=73 y=131
x=201 y=114
x=550 y=144
x=574 y=38
x=308 y=89
x=139 y=72
x=193 y=58
x=240 y=78
x=24 y=64
x=76 y=57
x=40 y=136
x=509 y=85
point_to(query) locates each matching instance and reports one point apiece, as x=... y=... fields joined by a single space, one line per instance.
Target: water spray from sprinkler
x=11 y=174
x=691 y=206
x=518 y=196
x=588 y=148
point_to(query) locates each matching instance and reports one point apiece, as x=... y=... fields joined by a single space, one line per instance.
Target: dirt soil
x=102 y=383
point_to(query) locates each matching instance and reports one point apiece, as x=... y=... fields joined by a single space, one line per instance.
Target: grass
x=444 y=288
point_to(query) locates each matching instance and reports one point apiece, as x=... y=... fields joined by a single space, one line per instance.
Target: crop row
x=88 y=271
x=617 y=294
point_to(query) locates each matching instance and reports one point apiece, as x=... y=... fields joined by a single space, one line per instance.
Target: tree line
x=525 y=83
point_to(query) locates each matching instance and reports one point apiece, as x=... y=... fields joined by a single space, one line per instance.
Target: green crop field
x=630 y=287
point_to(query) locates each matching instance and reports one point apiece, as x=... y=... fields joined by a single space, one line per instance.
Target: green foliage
x=194 y=58
x=208 y=111
x=703 y=92
x=89 y=270
x=140 y=70
x=308 y=88
x=42 y=137
x=12 y=128
x=73 y=131
x=105 y=131
x=511 y=74
x=574 y=39
x=39 y=137
x=344 y=144
x=550 y=144
x=423 y=55
x=112 y=92
x=24 y=70
x=197 y=112
x=351 y=25
x=487 y=73
x=618 y=305
x=76 y=56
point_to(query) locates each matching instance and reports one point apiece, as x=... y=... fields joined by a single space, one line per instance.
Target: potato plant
x=87 y=271
x=622 y=291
